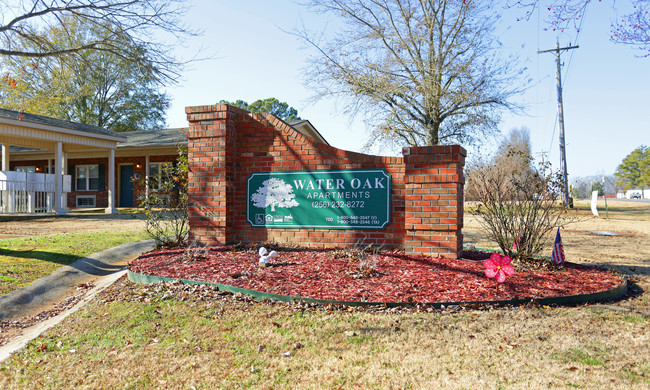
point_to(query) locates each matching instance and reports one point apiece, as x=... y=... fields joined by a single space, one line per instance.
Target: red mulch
x=400 y=277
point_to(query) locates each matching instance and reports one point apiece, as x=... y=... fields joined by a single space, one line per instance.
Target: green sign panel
x=352 y=199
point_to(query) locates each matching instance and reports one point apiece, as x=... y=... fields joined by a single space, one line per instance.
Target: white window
x=85 y=200
x=31 y=169
x=157 y=172
x=87 y=177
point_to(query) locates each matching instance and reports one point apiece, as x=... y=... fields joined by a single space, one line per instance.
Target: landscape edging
x=606 y=295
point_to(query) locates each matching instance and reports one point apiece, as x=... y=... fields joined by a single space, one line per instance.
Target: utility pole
x=560 y=110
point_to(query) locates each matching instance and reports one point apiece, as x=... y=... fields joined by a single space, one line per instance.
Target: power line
x=553 y=134
x=579 y=29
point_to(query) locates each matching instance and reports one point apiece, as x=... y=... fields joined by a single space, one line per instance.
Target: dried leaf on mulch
x=401 y=278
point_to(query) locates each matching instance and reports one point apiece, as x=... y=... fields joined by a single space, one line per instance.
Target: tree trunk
x=432 y=134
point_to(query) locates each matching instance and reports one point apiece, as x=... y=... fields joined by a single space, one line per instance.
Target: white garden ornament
x=265 y=256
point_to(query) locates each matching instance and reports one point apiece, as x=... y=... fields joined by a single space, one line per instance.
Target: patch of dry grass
x=153 y=337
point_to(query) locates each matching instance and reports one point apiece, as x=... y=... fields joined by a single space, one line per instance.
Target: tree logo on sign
x=275 y=193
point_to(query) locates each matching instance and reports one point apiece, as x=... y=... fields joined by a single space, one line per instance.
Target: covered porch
x=25 y=191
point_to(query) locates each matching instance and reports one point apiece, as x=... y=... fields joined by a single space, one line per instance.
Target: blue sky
x=606 y=86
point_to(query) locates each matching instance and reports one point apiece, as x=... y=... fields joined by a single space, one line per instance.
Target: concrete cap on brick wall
x=438 y=149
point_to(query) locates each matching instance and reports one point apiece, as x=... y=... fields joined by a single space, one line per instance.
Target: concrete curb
x=54 y=287
x=102 y=268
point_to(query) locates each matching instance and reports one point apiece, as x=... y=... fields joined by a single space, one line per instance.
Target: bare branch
x=24 y=30
x=632 y=28
x=426 y=68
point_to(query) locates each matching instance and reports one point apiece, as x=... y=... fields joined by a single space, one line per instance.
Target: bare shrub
x=166 y=204
x=195 y=252
x=517 y=207
x=365 y=255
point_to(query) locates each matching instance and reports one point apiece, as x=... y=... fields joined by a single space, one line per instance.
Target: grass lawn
x=141 y=337
x=23 y=260
x=152 y=337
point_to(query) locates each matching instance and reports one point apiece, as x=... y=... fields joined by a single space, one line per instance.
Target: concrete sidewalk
x=102 y=269
x=55 y=287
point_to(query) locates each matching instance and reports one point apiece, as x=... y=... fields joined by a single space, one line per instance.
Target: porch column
x=111 y=209
x=58 y=178
x=146 y=176
x=5 y=167
x=64 y=170
x=5 y=157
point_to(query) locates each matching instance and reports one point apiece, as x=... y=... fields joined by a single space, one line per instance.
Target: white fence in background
x=29 y=193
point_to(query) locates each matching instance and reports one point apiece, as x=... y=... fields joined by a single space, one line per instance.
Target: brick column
x=434 y=200
x=211 y=142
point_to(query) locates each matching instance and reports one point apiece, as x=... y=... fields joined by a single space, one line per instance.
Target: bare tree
x=632 y=28
x=140 y=22
x=515 y=150
x=426 y=71
x=513 y=158
x=583 y=186
x=92 y=87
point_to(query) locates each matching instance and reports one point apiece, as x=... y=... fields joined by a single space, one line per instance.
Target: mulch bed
x=324 y=274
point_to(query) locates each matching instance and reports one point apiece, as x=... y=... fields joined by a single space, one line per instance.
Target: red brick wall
x=227 y=145
x=101 y=197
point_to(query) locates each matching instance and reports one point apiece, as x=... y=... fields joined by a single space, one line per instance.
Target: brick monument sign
x=254 y=178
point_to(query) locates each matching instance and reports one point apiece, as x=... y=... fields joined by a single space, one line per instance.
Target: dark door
x=126 y=186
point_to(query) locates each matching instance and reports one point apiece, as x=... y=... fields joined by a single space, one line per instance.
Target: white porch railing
x=29 y=193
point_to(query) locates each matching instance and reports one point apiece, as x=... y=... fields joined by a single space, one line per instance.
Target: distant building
x=634 y=193
x=100 y=164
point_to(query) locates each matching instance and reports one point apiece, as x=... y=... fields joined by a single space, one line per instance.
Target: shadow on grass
x=58 y=258
x=633 y=291
x=631 y=270
x=84 y=264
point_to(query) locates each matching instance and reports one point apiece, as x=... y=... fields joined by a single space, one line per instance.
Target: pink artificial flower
x=515 y=244
x=498 y=267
